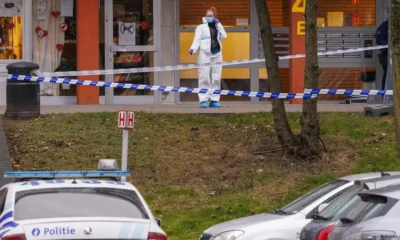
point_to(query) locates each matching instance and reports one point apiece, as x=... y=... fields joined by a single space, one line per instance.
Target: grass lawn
x=195 y=170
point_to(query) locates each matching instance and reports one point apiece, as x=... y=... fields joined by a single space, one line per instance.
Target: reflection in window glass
x=232 y=79
x=133 y=22
x=235 y=13
x=11 y=30
x=342 y=13
x=11 y=37
x=133 y=60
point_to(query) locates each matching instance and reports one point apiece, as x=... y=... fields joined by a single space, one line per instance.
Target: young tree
x=307 y=143
x=395 y=52
x=309 y=120
x=282 y=129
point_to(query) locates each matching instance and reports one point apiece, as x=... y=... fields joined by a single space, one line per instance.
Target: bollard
x=23 y=98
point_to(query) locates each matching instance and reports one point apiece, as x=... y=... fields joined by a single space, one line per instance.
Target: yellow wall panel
x=235 y=47
x=262 y=73
x=227 y=73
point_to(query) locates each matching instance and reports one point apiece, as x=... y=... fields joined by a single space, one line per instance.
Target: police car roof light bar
x=67 y=174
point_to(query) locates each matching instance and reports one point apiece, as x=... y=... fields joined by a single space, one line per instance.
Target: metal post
x=124 y=164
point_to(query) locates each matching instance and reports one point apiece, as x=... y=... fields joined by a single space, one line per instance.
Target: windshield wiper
x=319 y=217
x=346 y=220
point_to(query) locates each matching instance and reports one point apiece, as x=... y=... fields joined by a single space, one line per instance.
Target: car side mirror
x=158 y=222
x=322 y=206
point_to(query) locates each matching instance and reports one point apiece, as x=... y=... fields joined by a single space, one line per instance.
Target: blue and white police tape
x=349 y=92
x=308 y=93
x=193 y=66
x=161 y=88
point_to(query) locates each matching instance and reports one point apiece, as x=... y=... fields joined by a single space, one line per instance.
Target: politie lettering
x=59 y=231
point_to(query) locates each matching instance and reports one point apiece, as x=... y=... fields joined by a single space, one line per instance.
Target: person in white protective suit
x=207 y=41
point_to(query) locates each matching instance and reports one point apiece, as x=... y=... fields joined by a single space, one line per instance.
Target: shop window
x=236 y=46
x=135 y=17
x=345 y=13
x=341 y=78
x=11 y=31
x=54 y=43
x=232 y=13
x=133 y=60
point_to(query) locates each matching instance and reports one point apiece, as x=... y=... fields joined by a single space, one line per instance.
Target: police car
x=75 y=205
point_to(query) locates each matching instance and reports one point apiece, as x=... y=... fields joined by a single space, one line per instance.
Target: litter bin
x=23 y=98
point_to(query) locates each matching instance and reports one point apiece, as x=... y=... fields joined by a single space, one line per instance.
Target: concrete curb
x=194 y=108
x=5 y=159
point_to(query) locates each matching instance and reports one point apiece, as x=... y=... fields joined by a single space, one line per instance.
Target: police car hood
x=85 y=228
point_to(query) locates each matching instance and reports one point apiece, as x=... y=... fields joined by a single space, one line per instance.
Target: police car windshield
x=78 y=202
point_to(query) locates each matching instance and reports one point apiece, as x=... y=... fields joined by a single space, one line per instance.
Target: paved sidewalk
x=5 y=161
x=193 y=109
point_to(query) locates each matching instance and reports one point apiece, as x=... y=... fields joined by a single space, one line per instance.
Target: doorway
x=131 y=26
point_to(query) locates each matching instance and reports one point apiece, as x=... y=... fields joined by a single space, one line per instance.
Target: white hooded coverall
x=209 y=77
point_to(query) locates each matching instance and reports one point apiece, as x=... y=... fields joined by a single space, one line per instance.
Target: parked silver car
x=376 y=216
x=287 y=222
x=323 y=222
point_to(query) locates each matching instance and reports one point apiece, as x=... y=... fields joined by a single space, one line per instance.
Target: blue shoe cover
x=215 y=105
x=203 y=105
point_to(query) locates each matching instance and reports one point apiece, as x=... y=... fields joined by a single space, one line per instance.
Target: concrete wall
x=168 y=33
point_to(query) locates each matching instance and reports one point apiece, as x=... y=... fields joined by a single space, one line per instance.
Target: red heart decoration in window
x=144 y=24
x=10 y=26
x=41 y=33
x=137 y=59
x=60 y=47
x=55 y=13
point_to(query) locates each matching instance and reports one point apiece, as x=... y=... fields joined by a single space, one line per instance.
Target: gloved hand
x=192 y=52
x=216 y=21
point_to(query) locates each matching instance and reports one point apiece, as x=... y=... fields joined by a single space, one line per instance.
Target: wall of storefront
x=173 y=29
x=23 y=45
x=240 y=20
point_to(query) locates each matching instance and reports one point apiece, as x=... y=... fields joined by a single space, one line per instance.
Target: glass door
x=130 y=30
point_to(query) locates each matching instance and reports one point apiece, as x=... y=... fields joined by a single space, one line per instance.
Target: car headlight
x=230 y=235
x=373 y=235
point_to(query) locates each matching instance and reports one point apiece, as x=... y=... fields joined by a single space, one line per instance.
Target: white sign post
x=126 y=121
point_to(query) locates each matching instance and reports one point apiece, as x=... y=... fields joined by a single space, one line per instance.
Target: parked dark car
x=319 y=227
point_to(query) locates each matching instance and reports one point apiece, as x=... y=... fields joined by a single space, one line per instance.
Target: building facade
x=69 y=35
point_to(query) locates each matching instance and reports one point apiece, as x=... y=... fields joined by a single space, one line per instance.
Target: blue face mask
x=210 y=19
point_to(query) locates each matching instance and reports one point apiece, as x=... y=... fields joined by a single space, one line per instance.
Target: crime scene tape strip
x=193 y=66
x=308 y=93
x=349 y=92
x=161 y=88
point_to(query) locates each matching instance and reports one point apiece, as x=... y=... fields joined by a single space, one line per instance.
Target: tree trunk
x=309 y=120
x=395 y=50
x=282 y=129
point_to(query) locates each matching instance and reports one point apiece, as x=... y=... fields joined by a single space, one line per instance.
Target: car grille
x=205 y=236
